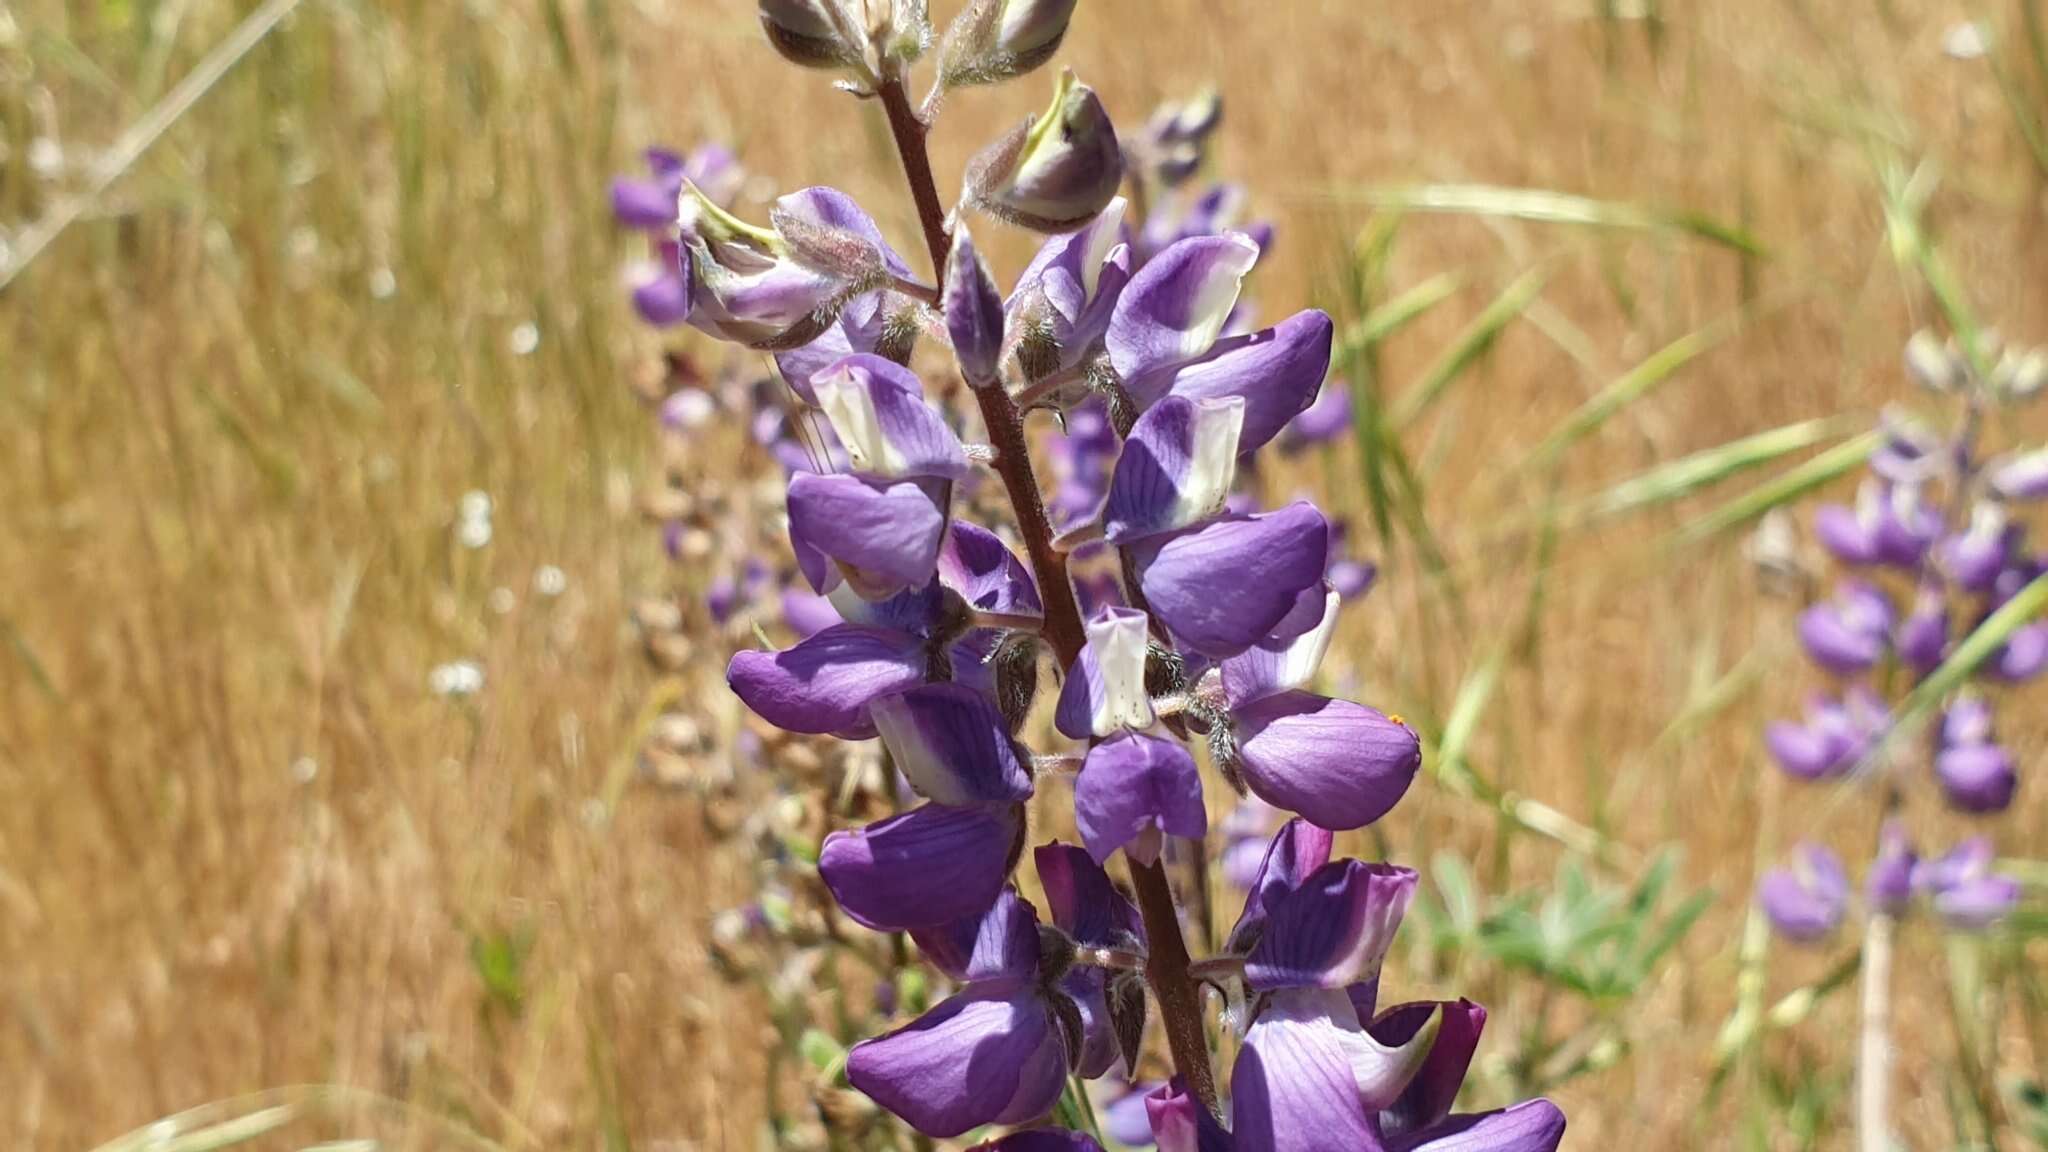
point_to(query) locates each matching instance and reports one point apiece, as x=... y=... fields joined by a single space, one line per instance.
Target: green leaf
x=1547 y=207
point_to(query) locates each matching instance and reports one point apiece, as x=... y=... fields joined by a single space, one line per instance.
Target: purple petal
x=884 y=537
x=1326 y=419
x=1889 y=884
x=1082 y=899
x=663 y=299
x=973 y=311
x=1042 y=1140
x=1974 y=557
x=1293 y=1088
x=975 y=563
x=1429 y=1096
x=1806 y=902
x=648 y=204
x=1275 y=370
x=1851 y=538
x=929 y=866
x=831 y=209
x=858 y=328
x=1976 y=904
x=1922 y=638
x=1176 y=305
x=1104 y=691
x=1334 y=930
x=1805 y=751
x=1848 y=633
x=878 y=410
x=1976 y=778
x=1298 y=850
x=1967 y=861
x=2023 y=476
x=990 y=1055
x=1180 y=1123
x=952 y=745
x=807 y=613
x=1276 y=665
x=1177 y=467
x=1002 y=941
x=1340 y=764
x=1531 y=1126
x=1132 y=788
x=1068 y=280
x=1224 y=586
x=2024 y=655
x=824 y=683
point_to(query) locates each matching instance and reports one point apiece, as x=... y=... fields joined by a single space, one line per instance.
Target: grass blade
x=1679 y=478
x=1837 y=461
x=1472 y=343
x=1976 y=648
x=1399 y=312
x=1548 y=207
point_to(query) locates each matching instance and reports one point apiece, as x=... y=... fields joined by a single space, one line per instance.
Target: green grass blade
x=1976 y=648
x=1837 y=461
x=1472 y=343
x=1679 y=478
x=1638 y=382
x=1548 y=207
x=1399 y=312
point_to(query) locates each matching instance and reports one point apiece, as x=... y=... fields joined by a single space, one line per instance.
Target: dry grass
x=229 y=469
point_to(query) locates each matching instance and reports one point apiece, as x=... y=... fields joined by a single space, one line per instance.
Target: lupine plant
x=1923 y=620
x=1208 y=629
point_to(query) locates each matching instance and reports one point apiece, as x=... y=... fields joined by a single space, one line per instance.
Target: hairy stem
x=1166 y=967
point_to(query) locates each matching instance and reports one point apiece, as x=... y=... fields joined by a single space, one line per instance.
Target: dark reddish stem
x=1166 y=965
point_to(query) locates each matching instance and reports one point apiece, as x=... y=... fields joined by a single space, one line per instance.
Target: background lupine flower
x=1965 y=891
x=1807 y=900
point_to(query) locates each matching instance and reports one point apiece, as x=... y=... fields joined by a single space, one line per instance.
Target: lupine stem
x=1166 y=966
x=1874 y=1055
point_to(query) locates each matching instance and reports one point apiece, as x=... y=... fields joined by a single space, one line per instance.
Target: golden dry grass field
x=243 y=846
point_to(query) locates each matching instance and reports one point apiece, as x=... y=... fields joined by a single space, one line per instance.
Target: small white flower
x=456 y=678
x=383 y=284
x=45 y=157
x=550 y=581
x=525 y=339
x=1966 y=41
x=304 y=243
x=304 y=769
x=503 y=600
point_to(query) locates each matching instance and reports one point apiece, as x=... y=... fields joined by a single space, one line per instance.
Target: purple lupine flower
x=651 y=204
x=1055 y=317
x=945 y=859
x=1836 y=736
x=1134 y=788
x=782 y=287
x=1082 y=459
x=1888 y=886
x=1166 y=336
x=1328 y=418
x=1054 y=173
x=1343 y=764
x=1975 y=772
x=1088 y=908
x=1350 y=578
x=1806 y=901
x=1247 y=832
x=974 y=313
x=1921 y=638
x=824 y=683
x=996 y=1052
x=1851 y=632
x=1223 y=586
x=879 y=527
x=2020 y=476
x=1890 y=525
x=1974 y=557
x=1966 y=893
x=1319 y=1069
x=1042 y=1140
x=1126 y=1116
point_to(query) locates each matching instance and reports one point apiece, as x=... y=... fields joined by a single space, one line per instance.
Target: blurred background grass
x=372 y=268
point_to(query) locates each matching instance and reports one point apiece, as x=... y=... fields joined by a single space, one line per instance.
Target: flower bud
x=1889 y=883
x=1930 y=362
x=1805 y=902
x=974 y=313
x=805 y=33
x=777 y=288
x=2022 y=378
x=995 y=40
x=1054 y=173
x=2023 y=476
